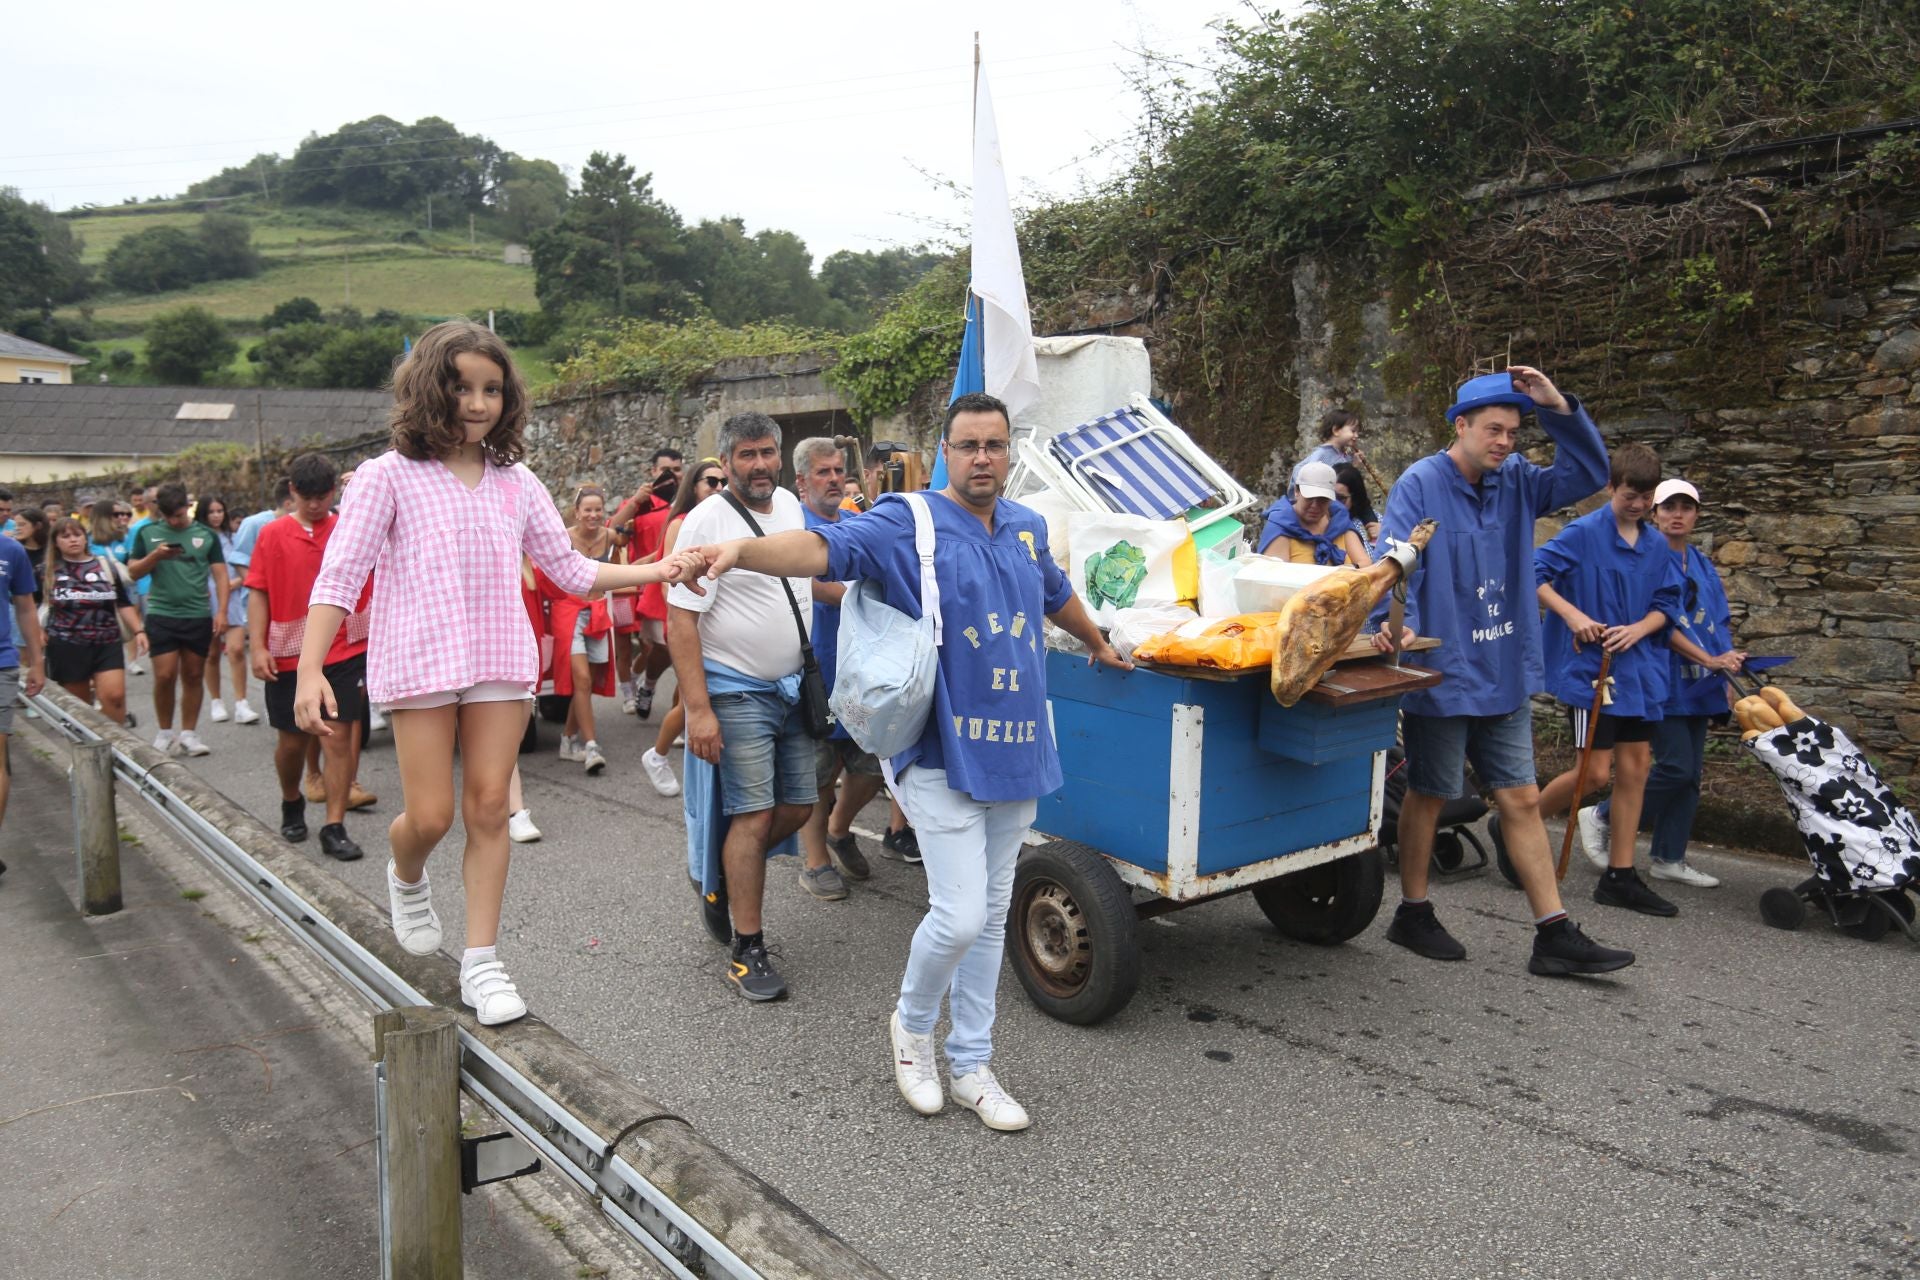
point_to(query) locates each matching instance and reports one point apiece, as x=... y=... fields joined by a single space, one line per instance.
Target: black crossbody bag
x=813 y=689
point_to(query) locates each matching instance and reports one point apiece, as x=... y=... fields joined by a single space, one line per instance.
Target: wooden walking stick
x=1600 y=700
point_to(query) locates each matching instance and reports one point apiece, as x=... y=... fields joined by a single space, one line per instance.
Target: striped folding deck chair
x=1133 y=465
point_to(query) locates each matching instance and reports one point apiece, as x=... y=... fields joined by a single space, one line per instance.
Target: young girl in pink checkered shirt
x=446 y=513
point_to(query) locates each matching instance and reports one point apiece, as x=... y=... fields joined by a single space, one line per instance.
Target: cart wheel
x=1448 y=853
x=1783 y=909
x=1072 y=929
x=1500 y=857
x=1874 y=922
x=1326 y=904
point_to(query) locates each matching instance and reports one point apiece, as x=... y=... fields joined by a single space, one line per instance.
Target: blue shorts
x=1501 y=748
x=766 y=756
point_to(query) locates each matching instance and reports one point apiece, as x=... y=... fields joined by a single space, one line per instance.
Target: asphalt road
x=1743 y=1102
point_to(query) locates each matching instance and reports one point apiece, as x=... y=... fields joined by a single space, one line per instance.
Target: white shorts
x=653 y=631
x=485 y=691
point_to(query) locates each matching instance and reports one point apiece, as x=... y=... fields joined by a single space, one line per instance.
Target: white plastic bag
x=1217 y=598
x=1134 y=627
x=1123 y=561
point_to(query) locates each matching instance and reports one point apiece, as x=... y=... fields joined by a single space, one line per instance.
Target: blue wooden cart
x=1191 y=785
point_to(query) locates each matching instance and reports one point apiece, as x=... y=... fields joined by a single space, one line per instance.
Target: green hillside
x=335 y=257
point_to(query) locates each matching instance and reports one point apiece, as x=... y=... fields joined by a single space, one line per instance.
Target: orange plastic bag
x=1242 y=642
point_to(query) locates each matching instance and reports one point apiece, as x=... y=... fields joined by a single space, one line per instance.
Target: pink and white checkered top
x=447 y=611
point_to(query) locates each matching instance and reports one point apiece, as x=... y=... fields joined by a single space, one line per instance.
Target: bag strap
x=923 y=547
x=793 y=601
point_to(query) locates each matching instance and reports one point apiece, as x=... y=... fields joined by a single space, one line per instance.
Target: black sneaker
x=846 y=852
x=133 y=721
x=714 y=916
x=752 y=973
x=337 y=844
x=1416 y=928
x=1561 y=948
x=293 y=821
x=1631 y=892
x=642 y=701
x=902 y=846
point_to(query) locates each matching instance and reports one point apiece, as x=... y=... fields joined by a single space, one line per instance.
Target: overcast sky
x=817 y=118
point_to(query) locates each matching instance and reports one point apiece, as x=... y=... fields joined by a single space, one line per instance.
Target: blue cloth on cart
x=1474 y=590
x=701 y=800
x=1145 y=476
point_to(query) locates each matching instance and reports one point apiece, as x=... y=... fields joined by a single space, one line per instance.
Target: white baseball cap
x=1316 y=480
x=1675 y=489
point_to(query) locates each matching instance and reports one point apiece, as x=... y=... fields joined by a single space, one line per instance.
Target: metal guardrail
x=631 y=1201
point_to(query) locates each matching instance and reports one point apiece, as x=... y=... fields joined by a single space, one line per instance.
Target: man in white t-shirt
x=736 y=654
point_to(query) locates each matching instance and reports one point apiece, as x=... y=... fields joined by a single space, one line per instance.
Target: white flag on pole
x=1011 y=372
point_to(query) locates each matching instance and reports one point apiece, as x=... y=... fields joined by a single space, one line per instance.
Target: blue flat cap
x=1488 y=388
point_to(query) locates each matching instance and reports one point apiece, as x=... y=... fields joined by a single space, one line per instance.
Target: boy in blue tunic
x=970 y=783
x=1703 y=655
x=1475 y=592
x=1609 y=585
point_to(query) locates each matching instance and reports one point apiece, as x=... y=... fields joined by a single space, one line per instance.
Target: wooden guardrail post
x=418 y=1050
x=96 y=828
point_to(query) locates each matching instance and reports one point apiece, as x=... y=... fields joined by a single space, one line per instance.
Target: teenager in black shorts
x=87 y=601
x=180 y=555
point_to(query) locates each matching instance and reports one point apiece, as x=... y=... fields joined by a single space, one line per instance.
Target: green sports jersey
x=180 y=584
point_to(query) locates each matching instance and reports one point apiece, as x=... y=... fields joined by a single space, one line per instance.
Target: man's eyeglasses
x=119 y=512
x=967 y=448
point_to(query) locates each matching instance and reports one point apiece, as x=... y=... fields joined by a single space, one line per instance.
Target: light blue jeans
x=968 y=850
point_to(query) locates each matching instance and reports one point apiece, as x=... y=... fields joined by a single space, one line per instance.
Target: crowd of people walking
x=438 y=587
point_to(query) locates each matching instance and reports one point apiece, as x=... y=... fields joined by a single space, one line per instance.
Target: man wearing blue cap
x=1475 y=593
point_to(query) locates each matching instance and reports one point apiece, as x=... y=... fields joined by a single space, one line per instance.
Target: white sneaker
x=486 y=989
x=135 y=669
x=627 y=707
x=218 y=712
x=375 y=721
x=520 y=828
x=914 y=1068
x=569 y=750
x=1682 y=871
x=590 y=757
x=190 y=744
x=415 y=923
x=163 y=742
x=660 y=773
x=981 y=1094
x=244 y=713
x=1595 y=838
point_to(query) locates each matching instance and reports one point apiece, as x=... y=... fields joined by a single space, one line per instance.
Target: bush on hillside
x=160 y=259
x=292 y=311
x=187 y=344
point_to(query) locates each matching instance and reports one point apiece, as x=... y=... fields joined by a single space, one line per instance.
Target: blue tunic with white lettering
x=1474 y=589
x=989 y=727
x=1709 y=624
x=1611 y=582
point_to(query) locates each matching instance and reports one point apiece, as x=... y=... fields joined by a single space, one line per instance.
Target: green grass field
x=415 y=284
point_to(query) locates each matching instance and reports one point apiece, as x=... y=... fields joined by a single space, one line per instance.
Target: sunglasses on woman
x=713 y=482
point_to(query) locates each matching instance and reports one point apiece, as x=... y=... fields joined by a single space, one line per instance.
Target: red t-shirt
x=286 y=560
x=649 y=529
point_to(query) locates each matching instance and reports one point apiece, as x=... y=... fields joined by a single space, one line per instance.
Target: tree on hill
x=616 y=246
x=531 y=198
x=187 y=344
x=379 y=163
x=39 y=257
x=162 y=258
x=292 y=311
x=259 y=176
x=362 y=358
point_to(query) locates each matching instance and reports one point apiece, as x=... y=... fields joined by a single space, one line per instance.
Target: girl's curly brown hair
x=426 y=418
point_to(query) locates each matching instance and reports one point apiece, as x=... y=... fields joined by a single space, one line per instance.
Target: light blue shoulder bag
x=883 y=690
